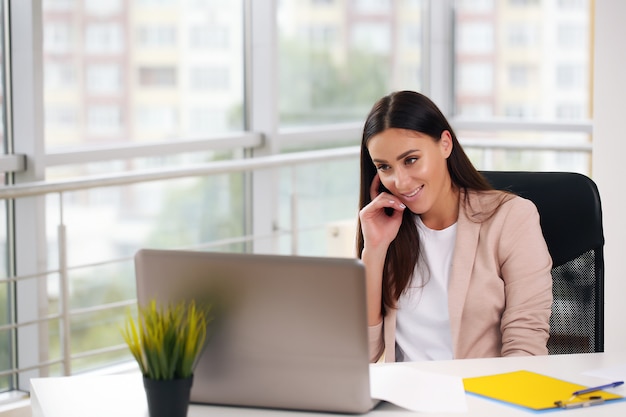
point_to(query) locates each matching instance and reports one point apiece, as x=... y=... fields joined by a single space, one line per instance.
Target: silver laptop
x=290 y=332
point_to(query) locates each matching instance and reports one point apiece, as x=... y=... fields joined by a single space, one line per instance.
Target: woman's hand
x=379 y=228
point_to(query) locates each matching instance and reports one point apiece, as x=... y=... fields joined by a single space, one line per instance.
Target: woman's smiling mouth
x=413 y=193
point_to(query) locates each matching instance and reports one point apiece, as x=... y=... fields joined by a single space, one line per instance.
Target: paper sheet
x=612 y=373
x=417 y=390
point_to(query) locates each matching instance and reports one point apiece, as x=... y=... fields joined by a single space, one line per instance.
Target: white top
x=423 y=320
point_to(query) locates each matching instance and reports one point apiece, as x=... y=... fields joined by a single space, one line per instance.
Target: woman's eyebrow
x=405 y=154
x=398 y=158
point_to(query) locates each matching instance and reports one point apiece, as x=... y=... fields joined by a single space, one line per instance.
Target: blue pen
x=598 y=388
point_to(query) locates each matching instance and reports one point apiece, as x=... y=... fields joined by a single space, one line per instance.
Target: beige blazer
x=500 y=289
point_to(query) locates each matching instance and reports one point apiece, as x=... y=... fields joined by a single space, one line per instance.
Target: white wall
x=609 y=158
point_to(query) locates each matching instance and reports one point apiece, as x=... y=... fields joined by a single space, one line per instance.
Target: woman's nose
x=401 y=179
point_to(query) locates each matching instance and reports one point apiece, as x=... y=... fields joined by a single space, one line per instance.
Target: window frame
x=262 y=137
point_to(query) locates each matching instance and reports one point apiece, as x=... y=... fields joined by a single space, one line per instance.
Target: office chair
x=571 y=221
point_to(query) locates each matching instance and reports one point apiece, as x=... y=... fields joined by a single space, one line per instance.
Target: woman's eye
x=383 y=167
x=410 y=161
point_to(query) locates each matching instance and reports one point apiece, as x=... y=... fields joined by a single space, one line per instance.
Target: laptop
x=290 y=332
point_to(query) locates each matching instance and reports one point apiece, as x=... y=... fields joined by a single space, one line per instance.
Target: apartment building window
x=157 y=117
x=519 y=111
x=570 y=75
x=476 y=78
x=573 y=4
x=60 y=74
x=521 y=35
x=570 y=111
x=62 y=117
x=104 y=78
x=475 y=38
x=372 y=6
x=209 y=79
x=375 y=37
x=204 y=119
x=523 y=3
x=58 y=37
x=104 y=119
x=413 y=35
x=156 y=36
x=104 y=38
x=322 y=35
x=157 y=76
x=209 y=36
x=413 y=75
x=103 y=8
x=571 y=36
x=519 y=76
x=56 y=5
x=160 y=3
x=475 y=6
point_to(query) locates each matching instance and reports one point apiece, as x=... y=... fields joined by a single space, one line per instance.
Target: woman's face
x=412 y=166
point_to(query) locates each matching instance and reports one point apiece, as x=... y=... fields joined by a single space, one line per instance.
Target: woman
x=454 y=268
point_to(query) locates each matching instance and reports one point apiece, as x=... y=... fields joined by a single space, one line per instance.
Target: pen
x=598 y=388
x=590 y=402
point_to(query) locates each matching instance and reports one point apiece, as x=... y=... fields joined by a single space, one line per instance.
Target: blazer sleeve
x=376 y=343
x=526 y=270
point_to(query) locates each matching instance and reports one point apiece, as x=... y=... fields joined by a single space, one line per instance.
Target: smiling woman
x=454 y=268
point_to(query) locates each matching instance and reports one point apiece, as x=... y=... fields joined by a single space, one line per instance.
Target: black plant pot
x=168 y=398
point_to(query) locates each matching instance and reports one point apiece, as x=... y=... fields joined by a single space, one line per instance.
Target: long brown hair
x=413 y=111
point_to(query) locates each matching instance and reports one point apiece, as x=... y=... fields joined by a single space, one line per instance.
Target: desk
x=567 y=367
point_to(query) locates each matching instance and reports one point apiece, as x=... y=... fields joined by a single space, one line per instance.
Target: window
x=103 y=8
x=475 y=6
x=58 y=37
x=521 y=35
x=49 y=5
x=519 y=76
x=62 y=117
x=571 y=36
x=372 y=6
x=157 y=117
x=60 y=75
x=7 y=287
x=104 y=78
x=207 y=36
x=161 y=86
x=476 y=78
x=209 y=79
x=157 y=76
x=570 y=111
x=375 y=37
x=475 y=38
x=334 y=74
x=156 y=36
x=104 y=38
x=570 y=76
x=104 y=119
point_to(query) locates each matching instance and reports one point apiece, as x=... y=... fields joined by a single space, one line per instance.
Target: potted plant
x=166 y=342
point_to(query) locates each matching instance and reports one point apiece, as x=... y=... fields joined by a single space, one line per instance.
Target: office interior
x=43 y=178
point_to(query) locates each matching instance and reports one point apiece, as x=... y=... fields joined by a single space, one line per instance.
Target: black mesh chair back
x=571 y=220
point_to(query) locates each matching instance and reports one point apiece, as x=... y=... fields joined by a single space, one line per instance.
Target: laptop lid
x=290 y=332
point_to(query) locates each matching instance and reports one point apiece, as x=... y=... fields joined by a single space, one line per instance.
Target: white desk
x=52 y=399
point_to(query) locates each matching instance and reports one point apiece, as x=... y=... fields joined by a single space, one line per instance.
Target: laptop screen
x=289 y=331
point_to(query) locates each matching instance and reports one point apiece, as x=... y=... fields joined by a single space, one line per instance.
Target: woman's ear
x=445 y=143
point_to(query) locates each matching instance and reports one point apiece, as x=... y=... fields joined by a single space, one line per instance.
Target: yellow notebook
x=530 y=390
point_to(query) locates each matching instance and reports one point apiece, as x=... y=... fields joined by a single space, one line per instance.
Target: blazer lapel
x=462 y=262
